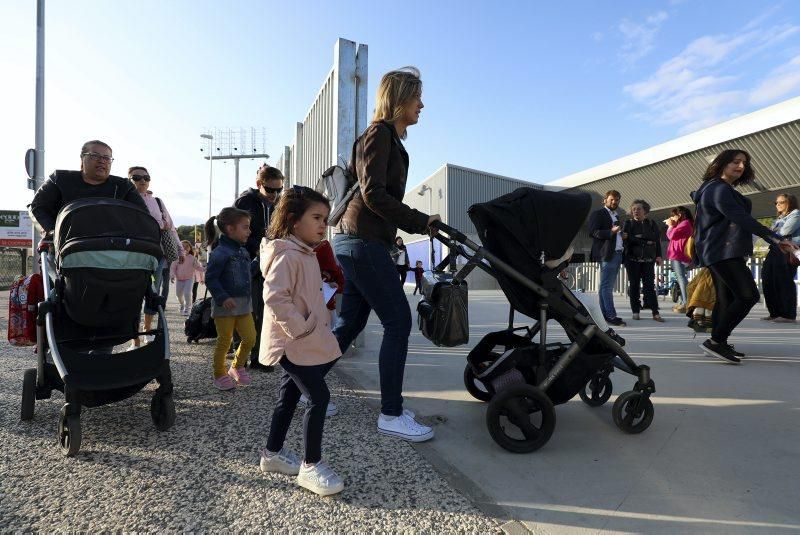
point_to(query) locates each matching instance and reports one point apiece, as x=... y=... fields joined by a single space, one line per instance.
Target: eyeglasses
x=95 y=157
x=139 y=178
x=779 y=202
x=273 y=190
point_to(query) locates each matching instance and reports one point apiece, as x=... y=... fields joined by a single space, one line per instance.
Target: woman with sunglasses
x=365 y=236
x=141 y=179
x=777 y=276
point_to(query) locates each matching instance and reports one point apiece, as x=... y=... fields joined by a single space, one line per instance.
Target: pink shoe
x=241 y=376
x=224 y=383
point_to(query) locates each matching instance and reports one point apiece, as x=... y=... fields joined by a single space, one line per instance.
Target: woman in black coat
x=642 y=252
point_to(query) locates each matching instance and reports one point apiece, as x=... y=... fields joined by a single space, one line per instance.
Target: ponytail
x=211 y=233
x=227 y=217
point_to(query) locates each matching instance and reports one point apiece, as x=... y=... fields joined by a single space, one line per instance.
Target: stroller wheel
x=28 y=394
x=162 y=410
x=521 y=418
x=69 y=433
x=633 y=412
x=477 y=388
x=597 y=390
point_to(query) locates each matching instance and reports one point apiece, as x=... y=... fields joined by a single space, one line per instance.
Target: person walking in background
x=400 y=256
x=778 y=275
x=700 y=301
x=228 y=280
x=198 y=275
x=642 y=253
x=366 y=233
x=140 y=177
x=297 y=335
x=607 y=248
x=723 y=238
x=182 y=272
x=680 y=227
x=418 y=271
x=259 y=202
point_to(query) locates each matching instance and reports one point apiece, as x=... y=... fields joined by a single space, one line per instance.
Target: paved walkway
x=203 y=474
x=720 y=457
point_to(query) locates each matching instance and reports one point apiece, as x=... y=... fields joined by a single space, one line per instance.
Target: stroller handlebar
x=450 y=231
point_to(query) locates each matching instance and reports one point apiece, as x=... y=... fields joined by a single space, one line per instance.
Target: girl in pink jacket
x=296 y=334
x=680 y=227
x=182 y=272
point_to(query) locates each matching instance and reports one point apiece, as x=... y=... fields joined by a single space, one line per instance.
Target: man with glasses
x=93 y=180
x=260 y=203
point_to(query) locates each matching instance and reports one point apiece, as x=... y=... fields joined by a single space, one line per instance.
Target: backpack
x=339 y=183
x=24 y=296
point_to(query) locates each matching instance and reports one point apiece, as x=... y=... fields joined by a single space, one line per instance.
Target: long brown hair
x=791 y=201
x=290 y=209
x=725 y=157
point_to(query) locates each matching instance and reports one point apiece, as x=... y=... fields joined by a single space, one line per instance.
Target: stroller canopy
x=522 y=225
x=107 y=233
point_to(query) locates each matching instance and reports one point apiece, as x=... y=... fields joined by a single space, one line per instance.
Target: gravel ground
x=202 y=475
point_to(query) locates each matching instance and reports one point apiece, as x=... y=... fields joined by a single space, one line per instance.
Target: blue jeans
x=608 y=277
x=680 y=274
x=371 y=283
x=161 y=284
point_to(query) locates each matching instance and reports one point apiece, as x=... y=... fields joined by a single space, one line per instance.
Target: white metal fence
x=587 y=276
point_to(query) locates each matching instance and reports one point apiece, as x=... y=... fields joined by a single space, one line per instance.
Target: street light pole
x=210 y=139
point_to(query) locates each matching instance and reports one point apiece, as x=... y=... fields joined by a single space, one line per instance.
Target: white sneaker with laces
x=284 y=462
x=404 y=427
x=320 y=479
x=331 y=410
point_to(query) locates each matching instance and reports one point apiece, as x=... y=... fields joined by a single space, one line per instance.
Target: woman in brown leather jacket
x=365 y=236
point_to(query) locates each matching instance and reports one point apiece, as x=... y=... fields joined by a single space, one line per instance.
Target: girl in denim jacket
x=228 y=280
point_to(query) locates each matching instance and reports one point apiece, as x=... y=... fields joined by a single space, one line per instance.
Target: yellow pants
x=247 y=332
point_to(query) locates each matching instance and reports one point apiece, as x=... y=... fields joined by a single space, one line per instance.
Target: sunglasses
x=273 y=190
x=139 y=178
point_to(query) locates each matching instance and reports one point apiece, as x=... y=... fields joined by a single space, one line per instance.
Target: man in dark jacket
x=260 y=203
x=606 y=233
x=93 y=180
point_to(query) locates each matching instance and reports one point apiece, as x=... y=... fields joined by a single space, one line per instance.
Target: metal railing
x=13 y=263
x=587 y=275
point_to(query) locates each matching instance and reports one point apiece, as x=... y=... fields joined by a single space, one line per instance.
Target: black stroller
x=520 y=378
x=94 y=286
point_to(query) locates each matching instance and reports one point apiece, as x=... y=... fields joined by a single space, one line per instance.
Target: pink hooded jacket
x=678 y=235
x=296 y=321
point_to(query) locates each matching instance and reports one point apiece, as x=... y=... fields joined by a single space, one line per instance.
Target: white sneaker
x=284 y=462
x=404 y=427
x=149 y=338
x=132 y=347
x=320 y=479
x=332 y=410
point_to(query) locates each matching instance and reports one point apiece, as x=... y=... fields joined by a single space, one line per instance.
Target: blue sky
x=532 y=90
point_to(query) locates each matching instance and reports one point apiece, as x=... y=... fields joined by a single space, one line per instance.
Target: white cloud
x=638 y=37
x=704 y=83
x=780 y=82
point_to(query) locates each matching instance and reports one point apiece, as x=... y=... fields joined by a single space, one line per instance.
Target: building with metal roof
x=664 y=175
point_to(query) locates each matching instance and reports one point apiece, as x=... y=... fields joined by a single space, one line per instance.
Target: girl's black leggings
x=297 y=380
x=736 y=295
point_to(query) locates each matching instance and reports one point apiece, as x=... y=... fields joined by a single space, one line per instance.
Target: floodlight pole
x=39 y=131
x=210 y=139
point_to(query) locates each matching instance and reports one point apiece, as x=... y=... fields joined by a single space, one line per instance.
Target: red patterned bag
x=25 y=294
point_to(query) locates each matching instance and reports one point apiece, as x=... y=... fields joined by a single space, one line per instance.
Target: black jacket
x=723 y=226
x=260 y=216
x=644 y=240
x=66 y=186
x=604 y=242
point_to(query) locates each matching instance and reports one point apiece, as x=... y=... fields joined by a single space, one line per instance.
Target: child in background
x=297 y=335
x=228 y=281
x=182 y=272
x=418 y=271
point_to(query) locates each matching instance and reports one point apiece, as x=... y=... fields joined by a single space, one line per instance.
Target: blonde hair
x=396 y=89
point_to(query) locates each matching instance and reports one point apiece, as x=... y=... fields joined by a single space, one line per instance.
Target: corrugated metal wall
x=776 y=159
